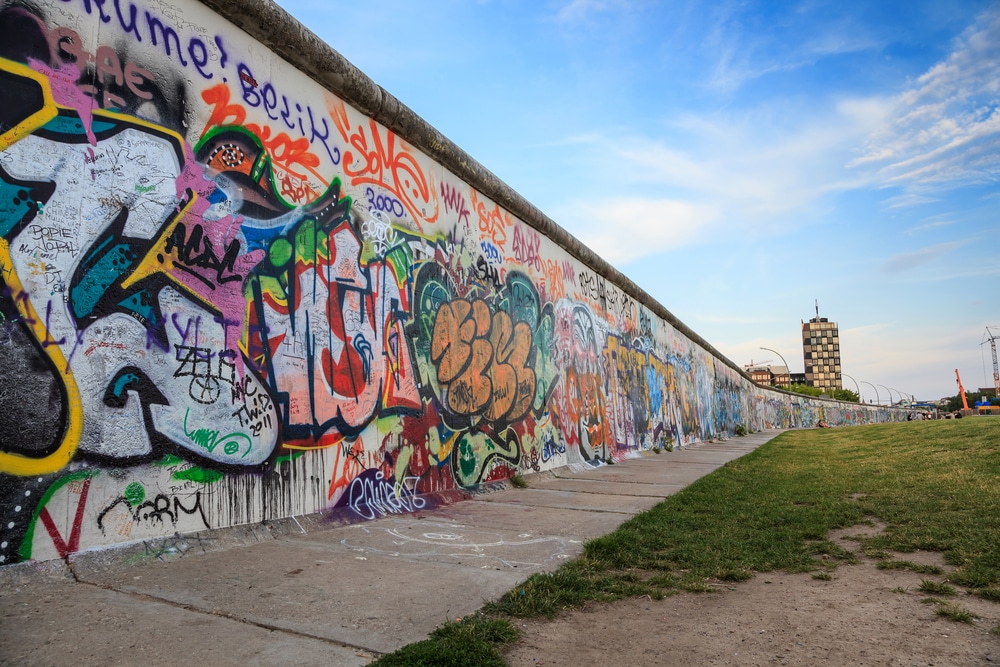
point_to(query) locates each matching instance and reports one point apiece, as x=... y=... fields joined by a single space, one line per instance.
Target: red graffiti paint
x=62 y=547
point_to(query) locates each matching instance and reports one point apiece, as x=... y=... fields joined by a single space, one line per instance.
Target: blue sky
x=738 y=160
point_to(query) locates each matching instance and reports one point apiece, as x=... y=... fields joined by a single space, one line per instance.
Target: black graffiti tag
x=196 y=251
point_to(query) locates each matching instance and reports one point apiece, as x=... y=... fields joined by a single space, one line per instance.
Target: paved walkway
x=326 y=595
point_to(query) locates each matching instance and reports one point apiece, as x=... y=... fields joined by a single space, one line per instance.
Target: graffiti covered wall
x=227 y=295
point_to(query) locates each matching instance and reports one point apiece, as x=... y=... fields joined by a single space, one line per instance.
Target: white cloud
x=868 y=112
x=909 y=199
x=929 y=226
x=738 y=166
x=944 y=130
x=622 y=229
x=753 y=172
x=797 y=40
x=933 y=224
x=911 y=260
x=730 y=76
x=741 y=176
x=731 y=319
x=986 y=274
x=884 y=355
x=743 y=353
x=772 y=166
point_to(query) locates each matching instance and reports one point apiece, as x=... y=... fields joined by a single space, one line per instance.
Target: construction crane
x=992 y=338
x=961 y=390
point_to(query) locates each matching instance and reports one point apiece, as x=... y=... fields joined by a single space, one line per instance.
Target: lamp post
x=855 y=384
x=901 y=395
x=888 y=392
x=789 y=370
x=877 y=399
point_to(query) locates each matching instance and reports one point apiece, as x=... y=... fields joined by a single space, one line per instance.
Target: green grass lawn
x=936 y=486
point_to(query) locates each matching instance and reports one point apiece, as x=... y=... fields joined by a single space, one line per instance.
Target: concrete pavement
x=309 y=593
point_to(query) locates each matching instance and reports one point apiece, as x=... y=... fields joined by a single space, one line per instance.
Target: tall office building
x=821 y=352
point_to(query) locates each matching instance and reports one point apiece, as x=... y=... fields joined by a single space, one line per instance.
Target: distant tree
x=846 y=395
x=955 y=402
x=839 y=394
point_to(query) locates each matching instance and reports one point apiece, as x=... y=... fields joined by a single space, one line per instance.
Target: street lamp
x=877 y=399
x=855 y=383
x=888 y=392
x=901 y=395
x=789 y=370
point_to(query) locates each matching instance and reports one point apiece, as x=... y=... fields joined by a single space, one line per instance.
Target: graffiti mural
x=228 y=296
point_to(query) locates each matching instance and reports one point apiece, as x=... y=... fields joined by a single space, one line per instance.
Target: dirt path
x=863 y=616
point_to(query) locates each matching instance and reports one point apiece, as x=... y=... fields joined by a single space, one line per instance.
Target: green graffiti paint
x=208 y=439
x=196 y=474
x=169 y=460
x=288 y=458
x=135 y=493
x=29 y=536
x=280 y=252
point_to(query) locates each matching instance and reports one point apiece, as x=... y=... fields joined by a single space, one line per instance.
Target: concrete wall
x=237 y=289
